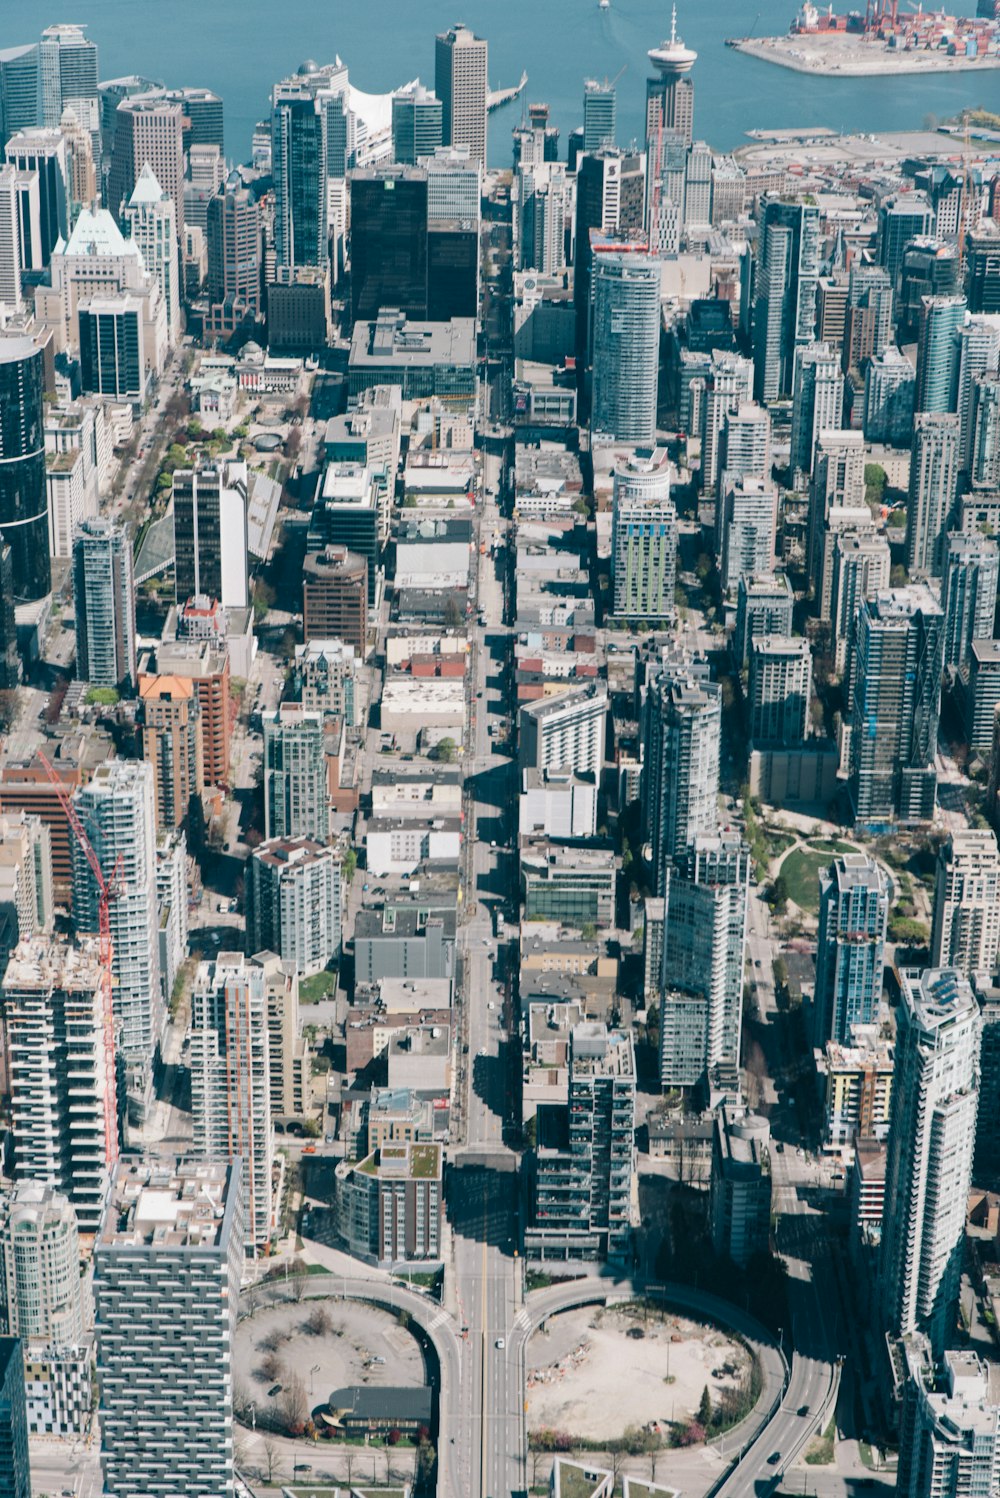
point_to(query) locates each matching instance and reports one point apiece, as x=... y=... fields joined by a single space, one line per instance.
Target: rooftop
x=158 y=1206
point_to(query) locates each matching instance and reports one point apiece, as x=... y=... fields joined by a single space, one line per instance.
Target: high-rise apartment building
x=704 y=941
x=230 y=1081
x=53 y=997
x=968 y=594
x=902 y=218
x=966 y=929
x=643 y=537
x=748 y=516
x=149 y=130
x=896 y=665
x=41 y=1289
x=977 y=346
x=564 y=731
x=585 y=1156
x=764 y=606
x=745 y=445
x=862 y=565
x=234 y=282
x=854 y=898
x=296 y=802
x=168 y=1263
x=890 y=386
x=150 y=218
x=15 y=1472
x=118 y=811
x=24 y=512
x=626 y=347
x=681 y=765
x=293 y=898
x=104 y=604
x=204 y=666
x=728 y=388
x=981 y=446
x=932 y=1135
x=937 y=353
x=417 y=123
x=784 y=309
x=780 y=687
x=817 y=400
x=170 y=728
x=949 y=1423
x=933 y=491
x=460 y=82
x=210 y=533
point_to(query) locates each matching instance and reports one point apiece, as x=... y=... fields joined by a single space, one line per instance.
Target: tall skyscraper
x=149 y=129
x=18 y=89
x=862 y=566
x=566 y=731
x=118 y=811
x=817 y=400
x=729 y=386
x=150 y=217
x=296 y=801
x=949 y=1423
x=933 y=491
x=701 y=991
x=966 y=929
x=977 y=346
x=890 y=384
x=982 y=257
x=168 y=1262
x=15 y=1472
x=388 y=242
x=937 y=353
x=626 y=347
x=903 y=218
x=44 y=152
x=230 y=1081
x=850 y=948
x=67 y=78
x=104 y=604
x=53 y=997
x=24 y=510
x=460 y=82
x=610 y=200
x=681 y=765
x=981 y=451
x=670 y=92
x=210 y=534
x=233 y=284
x=417 y=124
x=968 y=594
x=599 y=114
x=299 y=166
x=748 y=517
x=784 y=307
x=643 y=538
x=203 y=116
x=932 y=1135
x=895 y=700
x=41 y=1288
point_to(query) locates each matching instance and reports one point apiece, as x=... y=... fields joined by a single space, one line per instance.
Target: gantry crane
x=107 y=890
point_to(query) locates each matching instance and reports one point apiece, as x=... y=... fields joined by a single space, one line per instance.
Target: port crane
x=107 y=891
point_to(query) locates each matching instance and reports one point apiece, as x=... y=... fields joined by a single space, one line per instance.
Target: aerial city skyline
x=500 y=774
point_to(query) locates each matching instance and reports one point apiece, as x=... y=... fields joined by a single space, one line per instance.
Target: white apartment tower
x=167 y=1267
x=681 y=765
x=565 y=731
x=966 y=930
x=41 y=1289
x=230 y=1080
x=931 y=1140
x=53 y=1023
x=644 y=537
x=117 y=808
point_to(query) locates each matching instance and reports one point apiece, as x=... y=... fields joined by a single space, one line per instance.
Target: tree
x=297 y=1281
x=293 y=1405
x=452 y=612
x=875 y=480
x=444 y=751
x=704 y=1416
x=779 y=894
x=318 y=1322
x=426 y=1459
x=348 y=865
x=8 y=710
x=312 y=1128
x=272 y=1461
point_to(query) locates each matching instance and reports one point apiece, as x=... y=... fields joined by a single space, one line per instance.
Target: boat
x=603 y=4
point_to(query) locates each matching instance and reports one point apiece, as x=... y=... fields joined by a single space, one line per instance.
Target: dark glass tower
x=24 y=519
x=389 y=242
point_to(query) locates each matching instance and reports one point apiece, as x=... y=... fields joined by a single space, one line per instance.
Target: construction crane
x=107 y=890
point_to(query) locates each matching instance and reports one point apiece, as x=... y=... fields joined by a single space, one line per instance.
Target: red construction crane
x=106 y=892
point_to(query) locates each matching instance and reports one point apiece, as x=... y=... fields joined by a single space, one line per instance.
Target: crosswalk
x=439 y=1320
x=522 y=1321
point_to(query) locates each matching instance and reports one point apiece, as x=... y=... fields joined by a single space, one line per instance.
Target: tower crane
x=107 y=890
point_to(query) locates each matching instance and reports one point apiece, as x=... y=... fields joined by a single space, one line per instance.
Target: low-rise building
x=575 y=886
x=401 y=845
x=556 y=803
x=423 y=359
x=367 y=1410
x=405 y=939
x=419 y=1057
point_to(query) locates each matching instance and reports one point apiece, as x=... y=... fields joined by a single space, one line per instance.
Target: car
x=500 y=1343
x=481 y=1051
x=803 y=1409
x=774 y=1459
x=378 y=1359
x=302 y=1467
x=493 y=843
x=275 y=1389
x=491 y=1005
x=757 y=963
x=780 y=1147
x=486 y=941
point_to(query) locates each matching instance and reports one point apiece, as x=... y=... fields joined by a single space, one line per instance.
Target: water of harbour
x=240 y=47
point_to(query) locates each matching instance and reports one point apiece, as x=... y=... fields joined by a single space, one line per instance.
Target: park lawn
x=801 y=871
x=312 y=990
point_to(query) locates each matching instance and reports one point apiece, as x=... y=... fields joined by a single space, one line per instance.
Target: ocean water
x=240 y=47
